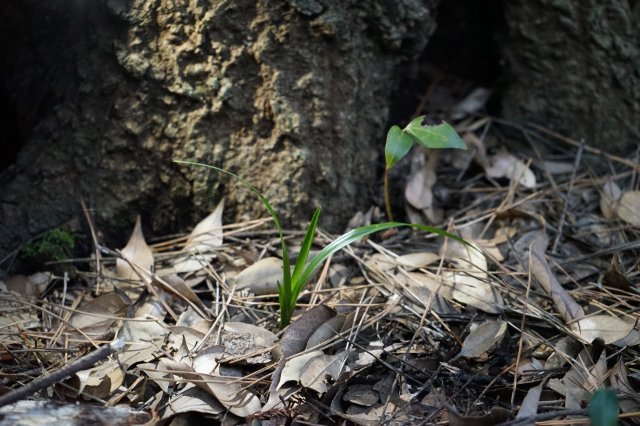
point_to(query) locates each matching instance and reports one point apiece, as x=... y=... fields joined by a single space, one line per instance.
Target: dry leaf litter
x=539 y=311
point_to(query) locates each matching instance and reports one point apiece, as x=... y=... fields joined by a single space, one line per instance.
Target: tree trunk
x=574 y=66
x=291 y=95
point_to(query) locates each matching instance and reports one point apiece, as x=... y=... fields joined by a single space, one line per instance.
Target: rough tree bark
x=575 y=66
x=292 y=95
x=97 y=99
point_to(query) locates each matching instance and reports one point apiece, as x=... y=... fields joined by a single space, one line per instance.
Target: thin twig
x=96 y=245
x=634 y=165
x=68 y=370
x=567 y=199
x=546 y=416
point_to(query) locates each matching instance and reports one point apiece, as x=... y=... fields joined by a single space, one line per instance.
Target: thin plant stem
x=387 y=201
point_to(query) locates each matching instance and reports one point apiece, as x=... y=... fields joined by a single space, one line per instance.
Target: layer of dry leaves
x=403 y=328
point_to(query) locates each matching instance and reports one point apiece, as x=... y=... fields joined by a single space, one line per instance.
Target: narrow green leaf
x=357 y=234
x=306 y=247
x=397 y=146
x=284 y=288
x=438 y=136
x=603 y=408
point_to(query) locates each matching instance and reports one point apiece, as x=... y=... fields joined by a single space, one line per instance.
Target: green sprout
x=291 y=285
x=54 y=246
x=400 y=141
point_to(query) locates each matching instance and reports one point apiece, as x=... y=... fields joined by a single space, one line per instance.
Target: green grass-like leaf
x=284 y=288
x=604 y=408
x=359 y=233
x=438 y=136
x=288 y=304
x=291 y=286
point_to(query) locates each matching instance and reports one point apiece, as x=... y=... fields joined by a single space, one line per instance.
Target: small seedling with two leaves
x=398 y=144
x=400 y=141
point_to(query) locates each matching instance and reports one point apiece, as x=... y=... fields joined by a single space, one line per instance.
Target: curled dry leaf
x=329 y=329
x=143 y=340
x=628 y=207
x=192 y=399
x=97 y=316
x=506 y=165
x=619 y=378
x=371 y=355
x=296 y=335
x=418 y=190
x=206 y=361
x=567 y=307
x=295 y=338
x=362 y=395
x=420 y=289
x=408 y=261
x=469 y=281
x=262 y=277
x=417 y=260
x=138 y=256
x=565 y=350
x=606 y=327
x=611 y=193
x=472 y=103
x=207 y=235
x=483 y=338
x=293 y=367
x=225 y=389
x=205 y=238
x=582 y=378
x=175 y=285
x=99 y=381
x=470 y=290
x=529 y=406
x=31 y=286
x=317 y=370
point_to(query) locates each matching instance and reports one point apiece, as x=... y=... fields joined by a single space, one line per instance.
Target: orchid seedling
x=400 y=141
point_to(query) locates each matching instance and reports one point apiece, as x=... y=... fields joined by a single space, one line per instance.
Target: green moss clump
x=54 y=246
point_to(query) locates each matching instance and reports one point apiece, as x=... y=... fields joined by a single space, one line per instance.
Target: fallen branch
x=68 y=370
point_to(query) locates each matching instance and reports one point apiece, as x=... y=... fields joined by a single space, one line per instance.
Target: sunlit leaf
x=439 y=136
x=137 y=254
x=262 y=277
x=628 y=206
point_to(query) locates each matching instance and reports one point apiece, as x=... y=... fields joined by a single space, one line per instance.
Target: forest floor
x=523 y=325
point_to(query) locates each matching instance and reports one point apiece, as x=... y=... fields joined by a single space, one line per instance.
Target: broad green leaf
x=397 y=146
x=357 y=234
x=603 y=408
x=438 y=136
